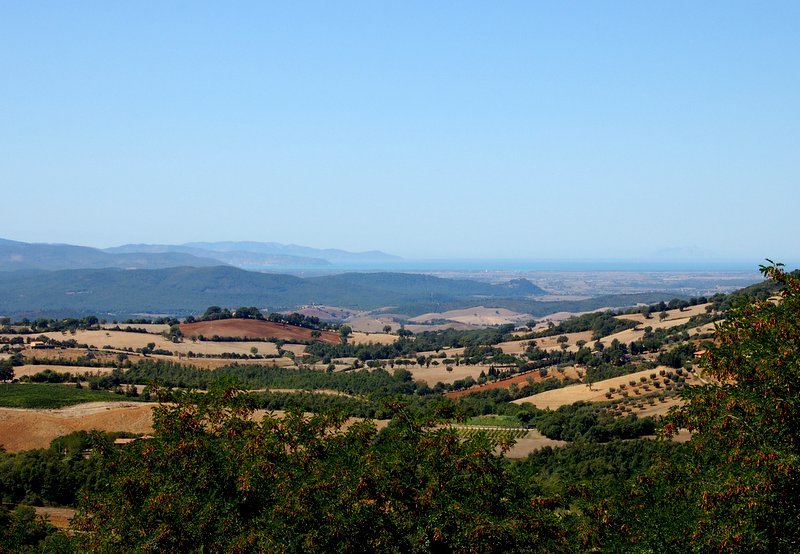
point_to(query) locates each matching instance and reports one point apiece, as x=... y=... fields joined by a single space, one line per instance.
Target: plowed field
x=253 y=328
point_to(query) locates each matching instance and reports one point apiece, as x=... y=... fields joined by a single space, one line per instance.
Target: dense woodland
x=215 y=479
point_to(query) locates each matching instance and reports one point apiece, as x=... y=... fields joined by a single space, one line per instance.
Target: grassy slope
x=51 y=396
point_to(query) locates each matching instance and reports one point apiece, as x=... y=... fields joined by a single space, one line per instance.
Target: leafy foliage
x=677 y=356
x=21 y=530
x=422 y=342
x=216 y=479
x=6 y=370
x=53 y=475
x=601 y=324
x=585 y=421
x=746 y=439
x=362 y=382
x=599 y=463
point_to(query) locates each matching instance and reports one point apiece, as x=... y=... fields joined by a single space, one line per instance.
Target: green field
x=496 y=434
x=494 y=421
x=508 y=427
x=45 y=395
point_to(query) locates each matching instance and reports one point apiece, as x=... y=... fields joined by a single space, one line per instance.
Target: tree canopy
x=738 y=488
x=217 y=479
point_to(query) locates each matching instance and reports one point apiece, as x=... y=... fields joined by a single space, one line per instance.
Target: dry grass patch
x=45 y=356
x=419 y=328
x=359 y=337
x=120 y=340
x=478 y=316
x=116 y=339
x=547 y=343
x=530 y=443
x=514 y=346
x=22 y=429
x=29 y=370
x=371 y=324
x=153 y=328
x=556 y=398
x=672 y=316
x=438 y=373
x=220 y=348
x=214 y=363
x=447 y=351
x=659 y=409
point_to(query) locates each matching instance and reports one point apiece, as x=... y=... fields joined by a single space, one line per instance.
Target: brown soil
x=519 y=380
x=22 y=429
x=253 y=328
x=27 y=429
x=59 y=517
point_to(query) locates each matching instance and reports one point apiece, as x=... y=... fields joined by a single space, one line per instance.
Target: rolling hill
x=186 y=290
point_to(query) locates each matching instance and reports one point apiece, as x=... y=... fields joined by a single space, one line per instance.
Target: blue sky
x=425 y=129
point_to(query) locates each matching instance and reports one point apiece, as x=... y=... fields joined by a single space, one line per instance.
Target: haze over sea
x=565 y=265
x=569 y=278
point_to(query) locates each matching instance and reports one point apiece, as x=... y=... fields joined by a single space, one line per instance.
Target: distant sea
x=581 y=265
x=498 y=270
x=503 y=265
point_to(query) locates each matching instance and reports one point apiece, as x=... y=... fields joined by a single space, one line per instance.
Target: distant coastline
x=473 y=265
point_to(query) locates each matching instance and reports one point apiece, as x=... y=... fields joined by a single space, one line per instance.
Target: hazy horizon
x=675 y=260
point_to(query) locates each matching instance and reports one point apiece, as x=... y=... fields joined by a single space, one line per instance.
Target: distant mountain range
x=22 y=255
x=60 y=280
x=247 y=255
x=330 y=255
x=262 y=255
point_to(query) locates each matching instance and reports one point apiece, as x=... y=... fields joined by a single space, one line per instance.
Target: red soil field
x=253 y=328
x=519 y=380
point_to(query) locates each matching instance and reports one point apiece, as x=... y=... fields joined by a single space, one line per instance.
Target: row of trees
x=42 y=325
x=215 y=479
x=213 y=313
